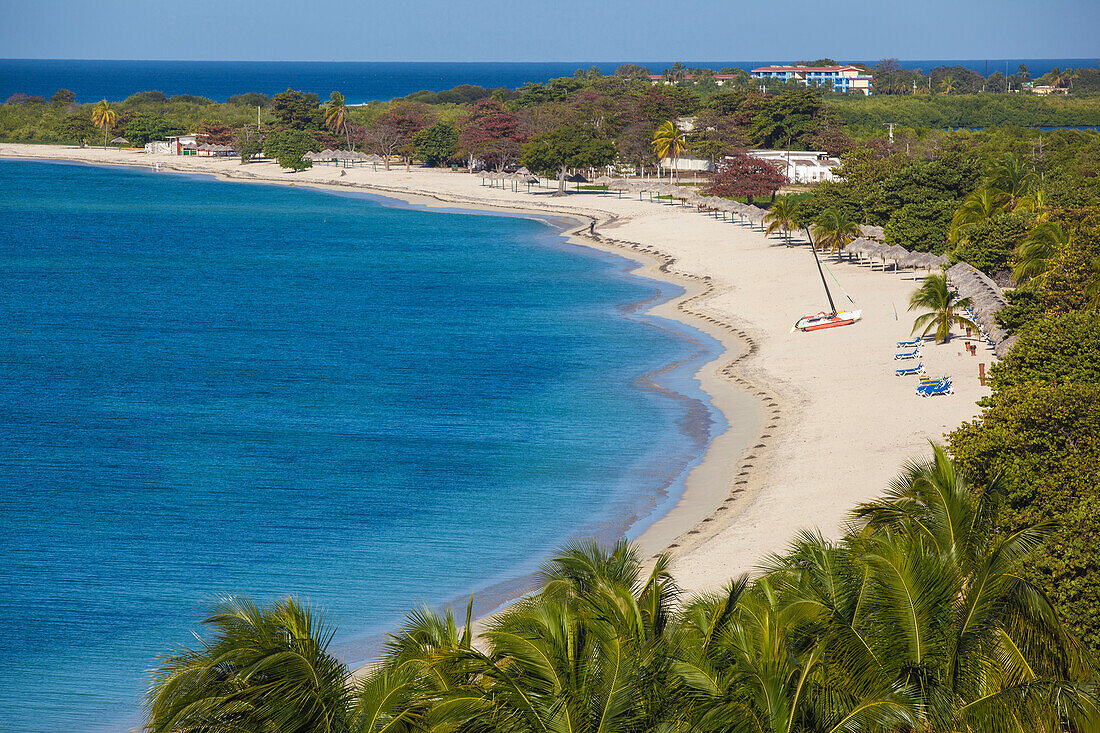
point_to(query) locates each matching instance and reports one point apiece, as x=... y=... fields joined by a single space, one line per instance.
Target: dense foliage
x=1039 y=429
x=917 y=620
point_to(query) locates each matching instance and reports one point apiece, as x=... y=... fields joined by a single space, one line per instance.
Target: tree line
x=918 y=619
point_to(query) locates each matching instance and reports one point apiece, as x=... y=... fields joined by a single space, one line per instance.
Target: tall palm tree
x=262 y=669
x=758 y=659
x=983 y=648
x=977 y=208
x=1038 y=247
x=103 y=115
x=336 y=115
x=833 y=230
x=943 y=304
x=1011 y=176
x=669 y=141
x=781 y=216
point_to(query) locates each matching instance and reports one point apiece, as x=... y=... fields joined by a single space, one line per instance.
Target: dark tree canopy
x=288 y=146
x=553 y=153
x=63 y=98
x=143 y=128
x=297 y=109
x=436 y=145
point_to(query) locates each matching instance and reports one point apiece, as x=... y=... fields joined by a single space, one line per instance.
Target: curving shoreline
x=829 y=430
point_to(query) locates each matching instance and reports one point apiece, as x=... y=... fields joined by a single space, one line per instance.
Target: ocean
x=359 y=82
x=213 y=388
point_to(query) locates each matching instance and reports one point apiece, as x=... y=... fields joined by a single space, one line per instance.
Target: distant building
x=685 y=162
x=1043 y=91
x=800 y=166
x=175 y=145
x=719 y=79
x=841 y=78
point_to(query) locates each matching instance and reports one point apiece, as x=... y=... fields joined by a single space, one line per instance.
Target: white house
x=800 y=166
x=175 y=145
x=685 y=163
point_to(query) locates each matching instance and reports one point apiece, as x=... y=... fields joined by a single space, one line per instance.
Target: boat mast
x=821 y=272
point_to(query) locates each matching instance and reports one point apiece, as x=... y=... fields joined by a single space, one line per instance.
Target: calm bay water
x=212 y=388
x=358 y=81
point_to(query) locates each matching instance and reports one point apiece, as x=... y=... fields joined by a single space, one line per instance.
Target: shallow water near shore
x=212 y=388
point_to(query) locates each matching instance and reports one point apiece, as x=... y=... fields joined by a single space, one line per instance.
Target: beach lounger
x=908 y=354
x=909 y=371
x=909 y=344
x=936 y=388
x=930 y=384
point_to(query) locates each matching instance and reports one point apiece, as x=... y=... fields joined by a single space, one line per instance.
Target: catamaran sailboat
x=832 y=318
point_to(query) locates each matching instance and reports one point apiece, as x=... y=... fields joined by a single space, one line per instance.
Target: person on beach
x=592 y=228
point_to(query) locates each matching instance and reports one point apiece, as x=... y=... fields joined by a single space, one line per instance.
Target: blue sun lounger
x=910 y=371
x=909 y=344
x=908 y=354
x=937 y=387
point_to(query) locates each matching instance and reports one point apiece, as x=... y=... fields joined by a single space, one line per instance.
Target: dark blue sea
x=210 y=388
x=359 y=82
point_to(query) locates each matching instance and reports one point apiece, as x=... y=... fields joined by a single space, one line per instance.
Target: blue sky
x=549 y=30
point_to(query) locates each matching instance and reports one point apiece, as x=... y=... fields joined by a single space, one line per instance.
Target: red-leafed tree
x=490 y=133
x=406 y=119
x=743 y=175
x=215 y=134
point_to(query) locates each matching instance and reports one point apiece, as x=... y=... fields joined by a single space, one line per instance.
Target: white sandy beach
x=820 y=422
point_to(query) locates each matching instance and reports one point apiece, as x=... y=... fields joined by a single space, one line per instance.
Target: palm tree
x=336 y=115
x=1034 y=204
x=983 y=648
x=669 y=141
x=1012 y=176
x=263 y=669
x=977 y=208
x=782 y=216
x=936 y=295
x=1036 y=250
x=834 y=230
x=1092 y=287
x=759 y=659
x=104 y=116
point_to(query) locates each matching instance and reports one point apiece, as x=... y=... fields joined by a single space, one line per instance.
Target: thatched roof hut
x=870 y=232
x=985 y=297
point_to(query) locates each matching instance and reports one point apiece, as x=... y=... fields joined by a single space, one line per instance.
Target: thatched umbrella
x=119 y=141
x=870 y=232
x=894 y=253
x=603 y=181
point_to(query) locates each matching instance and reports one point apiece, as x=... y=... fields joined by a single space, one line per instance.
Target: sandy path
x=820 y=420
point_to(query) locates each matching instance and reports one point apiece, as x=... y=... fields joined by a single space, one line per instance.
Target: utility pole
x=891 y=126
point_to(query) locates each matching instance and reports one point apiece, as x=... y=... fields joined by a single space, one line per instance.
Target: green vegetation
x=918 y=619
x=553 y=153
x=1038 y=430
x=968 y=111
x=943 y=305
x=823 y=640
x=287 y=147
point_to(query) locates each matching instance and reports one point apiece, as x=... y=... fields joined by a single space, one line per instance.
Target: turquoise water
x=211 y=388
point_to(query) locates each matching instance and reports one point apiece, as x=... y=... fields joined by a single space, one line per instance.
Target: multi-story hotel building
x=840 y=78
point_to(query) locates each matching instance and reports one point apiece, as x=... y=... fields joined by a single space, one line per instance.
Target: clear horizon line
x=565 y=61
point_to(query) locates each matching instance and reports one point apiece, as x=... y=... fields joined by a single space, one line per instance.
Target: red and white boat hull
x=824 y=320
